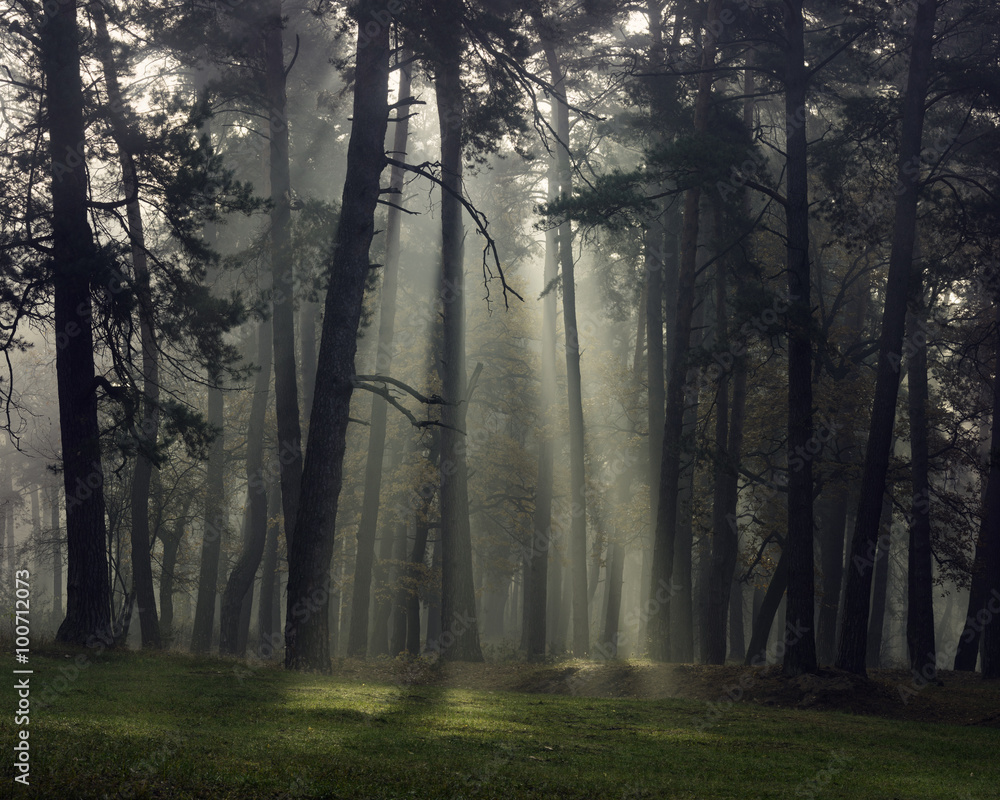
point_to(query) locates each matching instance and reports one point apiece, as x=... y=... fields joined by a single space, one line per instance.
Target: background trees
x=719 y=211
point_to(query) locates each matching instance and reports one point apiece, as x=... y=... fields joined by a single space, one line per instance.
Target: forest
x=394 y=335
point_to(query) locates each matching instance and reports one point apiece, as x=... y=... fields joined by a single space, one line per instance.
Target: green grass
x=170 y=726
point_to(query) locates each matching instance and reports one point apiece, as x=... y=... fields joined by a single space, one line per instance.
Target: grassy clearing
x=140 y=726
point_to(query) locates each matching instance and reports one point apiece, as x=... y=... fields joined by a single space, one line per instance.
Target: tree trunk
x=36 y=532
x=853 y=634
x=75 y=265
x=879 y=589
x=536 y=577
x=737 y=635
x=140 y=537
x=171 y=544
x=833 y=522
x=578 y=478
x=989 y=536
x=268 y=607
x=416 y=573
x=658 y=625
x=656 y=258
x=764 y=618
x=308 y=316
x=800 y=651
x=286 y=399
x=245 y=570
x=357 y=644
x=615 y=573
x=215 y=523
x=459 y=640
x=683 y=588
x=725 y=536
x=57 y=575
x=307 y=640
x=920 y=583
x=384 y=573
x=434 y=601
x=397 y=641
x=334 y=616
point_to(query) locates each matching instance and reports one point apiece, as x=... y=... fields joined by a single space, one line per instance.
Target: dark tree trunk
x=268 y=608
x=334 y=617
x=57 y=563
x=656 y=258
x=833 y=524
x=737 y=636
x=578 y=478
x=286 y=399
x=495 y=606
x=36 y=531
x=879 y=589
x=967 y=650
x=764 y=616
x=661 y=587
x=536 y=577
x=612 y=617
x=171 y=544
x=433 y=632
x=737 y=633
x=683 y=589
x=357 y=644
x=75 y=265
x=416 y=573
x=854 y=626
x=725 y=538
x=397 y=640
x=920 y=585
x=459 y=640
x=384 y=574
x=215 y=523
x=307 y=639
x=140 y=536
x=245 y=570
x=989 y=536
x=800 y=650
x=308 y=317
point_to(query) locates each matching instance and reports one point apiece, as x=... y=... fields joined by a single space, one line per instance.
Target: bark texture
x=357 y=644
x=854 y=627
x=286 y=398
x=241 y=578
x=307 y=639
x=75 y=264
x=658 y=625
x=459 y=636
x=800 y=650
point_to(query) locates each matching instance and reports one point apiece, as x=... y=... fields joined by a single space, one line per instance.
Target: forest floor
x=144 y=725
x=957 y=698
